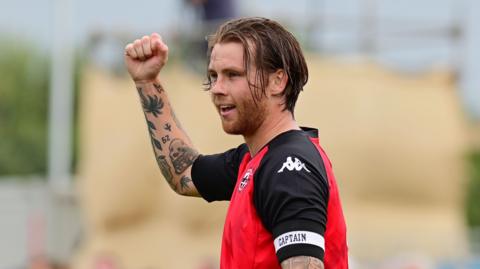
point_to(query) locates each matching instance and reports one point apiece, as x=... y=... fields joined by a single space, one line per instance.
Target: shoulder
x=292 y=152
x=291 y=194
x=290 y=178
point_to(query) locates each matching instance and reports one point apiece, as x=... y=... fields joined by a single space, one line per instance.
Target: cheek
x=244 y=93
x=246 y=106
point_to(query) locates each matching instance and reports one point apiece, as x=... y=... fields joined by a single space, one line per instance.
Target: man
x=284 y=210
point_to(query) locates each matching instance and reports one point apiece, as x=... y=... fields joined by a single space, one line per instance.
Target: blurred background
x=394 y=89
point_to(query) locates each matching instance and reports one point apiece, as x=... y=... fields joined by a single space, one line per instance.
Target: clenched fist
x=145 y=58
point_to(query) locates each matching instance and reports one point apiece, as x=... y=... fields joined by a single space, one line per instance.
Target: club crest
x=245 y=179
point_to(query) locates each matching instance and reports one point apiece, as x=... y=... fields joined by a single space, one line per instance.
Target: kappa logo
x=293 y=165
x=245 y=180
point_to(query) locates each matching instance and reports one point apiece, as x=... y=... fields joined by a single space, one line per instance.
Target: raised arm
x=172 y=147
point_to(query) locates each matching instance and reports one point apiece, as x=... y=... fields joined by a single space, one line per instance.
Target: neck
x=270 y=129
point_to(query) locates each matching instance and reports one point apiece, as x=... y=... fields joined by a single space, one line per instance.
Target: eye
x=213 y=77
x=232 y=74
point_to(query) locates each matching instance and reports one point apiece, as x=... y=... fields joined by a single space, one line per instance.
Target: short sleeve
x=291 y=197
x=215 y=175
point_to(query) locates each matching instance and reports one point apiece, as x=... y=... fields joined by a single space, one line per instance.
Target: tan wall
x=396 y=143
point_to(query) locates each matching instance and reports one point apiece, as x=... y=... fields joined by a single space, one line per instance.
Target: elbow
x=181 y=193
x=184 y=186
x=175 y=186
x=179 y=190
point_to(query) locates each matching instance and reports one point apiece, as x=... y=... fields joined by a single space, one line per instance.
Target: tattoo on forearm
x=158 y=87
x=182 y=155
x=302 y=262
x=167 y=127
x=151 y=103
x=151 y=128
x=165 y=139
x=154 y=105
x=165 y=168
x=184 y=181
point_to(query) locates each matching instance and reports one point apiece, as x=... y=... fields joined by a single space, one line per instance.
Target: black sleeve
x=291 y=197
x=215 y=176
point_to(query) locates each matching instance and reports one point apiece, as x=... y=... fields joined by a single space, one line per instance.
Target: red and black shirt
x=284 y=202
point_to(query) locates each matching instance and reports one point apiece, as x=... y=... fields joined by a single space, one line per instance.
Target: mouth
x=226 y=109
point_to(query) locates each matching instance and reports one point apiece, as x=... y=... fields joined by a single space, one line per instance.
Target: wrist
x=147 y=82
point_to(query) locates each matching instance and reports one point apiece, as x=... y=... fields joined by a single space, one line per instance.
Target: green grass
x=24 y=96
x=473 y=191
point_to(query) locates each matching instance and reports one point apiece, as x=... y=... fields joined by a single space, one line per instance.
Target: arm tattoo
x=302 y=262
x=165 y=139
x=184 y=181
x=181 y=155
x=151 y=103
x=158 y=87
x=151 y=128
x=165 y=168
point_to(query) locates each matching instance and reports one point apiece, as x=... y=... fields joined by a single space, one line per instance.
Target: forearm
x=302 y=262
x=174 y=152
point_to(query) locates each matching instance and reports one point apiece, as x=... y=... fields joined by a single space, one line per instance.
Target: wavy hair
x=270 y=47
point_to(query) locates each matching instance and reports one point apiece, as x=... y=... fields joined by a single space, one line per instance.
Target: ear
x=277 y=82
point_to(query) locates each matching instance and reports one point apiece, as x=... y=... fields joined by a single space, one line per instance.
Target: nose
x=218 y=87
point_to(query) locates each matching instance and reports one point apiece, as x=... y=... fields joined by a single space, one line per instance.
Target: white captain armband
x=299 y=237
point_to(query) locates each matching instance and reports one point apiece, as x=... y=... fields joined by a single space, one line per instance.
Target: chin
x=229 y=129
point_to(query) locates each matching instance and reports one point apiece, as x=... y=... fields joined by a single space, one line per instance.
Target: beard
x=250 y=116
